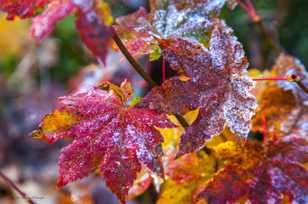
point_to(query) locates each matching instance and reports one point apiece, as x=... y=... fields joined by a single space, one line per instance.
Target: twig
x=16 y=188
x=131 y=59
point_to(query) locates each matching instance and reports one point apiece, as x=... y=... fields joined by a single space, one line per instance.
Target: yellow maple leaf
x=13 y=36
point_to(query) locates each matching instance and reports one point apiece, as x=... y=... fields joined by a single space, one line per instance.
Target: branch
x=131 y=59
x=16 y=188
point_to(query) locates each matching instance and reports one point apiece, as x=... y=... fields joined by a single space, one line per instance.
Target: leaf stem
x=16 y=188
x=271 y=79
x=164 y=70
x=291 y=78
x=131 y=59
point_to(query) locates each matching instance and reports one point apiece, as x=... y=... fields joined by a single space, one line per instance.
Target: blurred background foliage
x=33 y=76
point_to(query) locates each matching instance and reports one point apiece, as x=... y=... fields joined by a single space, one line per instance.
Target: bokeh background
x=33 y=76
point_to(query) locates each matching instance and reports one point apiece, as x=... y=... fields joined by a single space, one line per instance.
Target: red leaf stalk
x=272 y=78
x=164 y=70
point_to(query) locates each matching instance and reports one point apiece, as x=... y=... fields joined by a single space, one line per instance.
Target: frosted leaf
x=219 y=90
x=106 y=135
x=259 y=173
x=186 y=19
x=240 y=107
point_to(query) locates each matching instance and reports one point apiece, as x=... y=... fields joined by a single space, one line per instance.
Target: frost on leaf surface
x=108 y=136
x=259 y=173
x=217 y=86
x=21 y=8
x=183 y=19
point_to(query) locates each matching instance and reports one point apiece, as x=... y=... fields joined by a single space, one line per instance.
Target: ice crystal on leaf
x=108 y=136
x=189 y=19
x=259 y=173
x=217 y=86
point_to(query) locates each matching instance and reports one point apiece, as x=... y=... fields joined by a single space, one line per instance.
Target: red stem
x=164 y=70
x=271 y=79
x=290 y=78
x=16 y=188
x=250 y=9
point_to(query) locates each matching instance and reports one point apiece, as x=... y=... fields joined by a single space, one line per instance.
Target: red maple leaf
x=261 y=174
x=21 y=8
x=107 y=135
x=217 y=86
x=45 y=23
x=94 y=32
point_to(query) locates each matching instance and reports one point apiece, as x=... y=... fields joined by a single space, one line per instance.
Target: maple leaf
x=259 y=173
x=287 y=65
x=184 y=176
x=183 y=19
x=283 y=104
x=45 y=23
x=217 y=87
x=94 y=32
x=107 y=135
x=21 y=8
